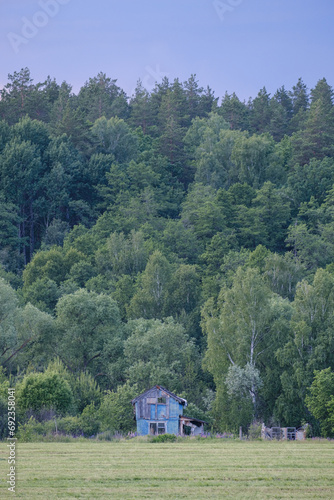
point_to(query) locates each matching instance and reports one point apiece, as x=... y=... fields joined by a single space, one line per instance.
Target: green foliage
x=122 y=255
x=116 y=412
x=254 y=431
x=86 y=391
x=313 y=179
x=100 y=96
x=43 y=293
x=9 y=303
x=201 y=212
x=149 y=300
x=160 y=352
x=71 y=426
x=116 y=215
x=84 y=387
x=31 y=430
x=86 y=323
x=243 y=330
x=85 y=424
x=89 y=420
x=3 y=418
x=164 y=438
x=320 y=400
x=196 y=412
x=308 y=347
x=53 y=264
x=115 y=137
x=47 y=390
x=242 y=382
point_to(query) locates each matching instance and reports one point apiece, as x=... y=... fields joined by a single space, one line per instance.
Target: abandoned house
x=289 y=433
x=159 y=411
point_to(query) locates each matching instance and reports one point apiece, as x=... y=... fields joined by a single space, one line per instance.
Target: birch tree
x=243 y=331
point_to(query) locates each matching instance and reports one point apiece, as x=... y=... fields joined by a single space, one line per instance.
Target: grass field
x=191 y=469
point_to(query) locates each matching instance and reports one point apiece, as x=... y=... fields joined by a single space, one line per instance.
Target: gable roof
x=171 y=394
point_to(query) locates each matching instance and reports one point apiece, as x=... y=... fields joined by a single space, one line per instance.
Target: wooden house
x=159 y=411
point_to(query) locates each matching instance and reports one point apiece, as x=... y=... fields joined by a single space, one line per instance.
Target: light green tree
x=160 y=352
x=87 y=322
x=116 y=411
x=320 y=400
x=48 y=391
x=149 y=299
x=242 y=330
x=309 y=346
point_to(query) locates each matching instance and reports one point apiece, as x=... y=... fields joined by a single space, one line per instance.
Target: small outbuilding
x=289 y=433
x=159 y=411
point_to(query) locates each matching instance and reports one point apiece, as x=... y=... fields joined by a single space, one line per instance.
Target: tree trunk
x=24 y=245
x=32 y=227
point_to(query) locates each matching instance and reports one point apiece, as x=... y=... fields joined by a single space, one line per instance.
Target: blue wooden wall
x=151 y=415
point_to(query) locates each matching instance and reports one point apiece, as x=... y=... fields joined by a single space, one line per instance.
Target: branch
x=229 y=357
x=4 y=352
x=91 y=359
x=18 y=350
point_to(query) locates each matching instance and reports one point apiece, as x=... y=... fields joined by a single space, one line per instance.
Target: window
x=153 y=428
x=157 y=428
x=161 y=428
x=161 y=401
x=141 y=409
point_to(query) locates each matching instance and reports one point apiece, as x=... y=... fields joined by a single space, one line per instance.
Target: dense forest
x=168 y=238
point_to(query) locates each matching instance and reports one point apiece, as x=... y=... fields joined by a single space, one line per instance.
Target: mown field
x=190 y=469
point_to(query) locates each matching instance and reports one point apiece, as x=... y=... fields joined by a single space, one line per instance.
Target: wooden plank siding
x=158 y=406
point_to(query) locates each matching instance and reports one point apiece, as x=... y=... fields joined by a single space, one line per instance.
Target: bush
x=254 y=431
x=116 y=412
x=90 y=423
x=33 y=429
x=84 y=387
x=47 y=390
x=83 y=425
x=71 y=426
x=85 y=391
x=164 y=438
x=109 y=436
x=3 y=418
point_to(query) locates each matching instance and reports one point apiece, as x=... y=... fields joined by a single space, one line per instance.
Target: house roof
x=183 y=417
x=171 y=394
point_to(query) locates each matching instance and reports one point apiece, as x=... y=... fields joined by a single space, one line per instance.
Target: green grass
x=190 y=469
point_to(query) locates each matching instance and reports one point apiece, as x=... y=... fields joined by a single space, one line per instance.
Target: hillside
x=170 y=238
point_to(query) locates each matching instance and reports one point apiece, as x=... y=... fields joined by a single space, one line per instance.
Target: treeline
x=166 y=239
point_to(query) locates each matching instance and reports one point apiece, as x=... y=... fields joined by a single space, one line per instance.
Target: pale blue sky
x=255 y=43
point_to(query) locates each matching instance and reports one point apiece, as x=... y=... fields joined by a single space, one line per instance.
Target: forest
x=171 y=237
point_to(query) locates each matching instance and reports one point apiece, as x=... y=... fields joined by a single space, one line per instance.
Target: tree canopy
x=171 y=237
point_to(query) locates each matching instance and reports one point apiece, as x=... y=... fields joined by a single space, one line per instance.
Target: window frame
x=161 y=426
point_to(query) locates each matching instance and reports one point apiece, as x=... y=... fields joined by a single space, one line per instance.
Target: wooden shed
x=159 y=411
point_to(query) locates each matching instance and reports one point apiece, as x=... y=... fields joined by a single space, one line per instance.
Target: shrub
x=47 y=390
x=254 y=431
x=31 y=430
x=164 y=438
x=90 y=423
x=116 y=412
x=3 y=418
x=71 y=426
x=109 y=436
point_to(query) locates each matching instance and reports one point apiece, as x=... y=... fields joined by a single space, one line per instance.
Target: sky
x=231 y=45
